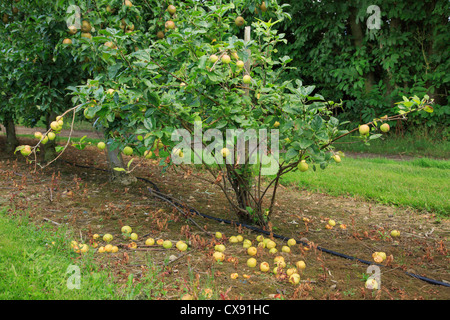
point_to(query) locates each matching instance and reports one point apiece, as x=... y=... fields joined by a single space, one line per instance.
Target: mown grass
x=422 y=184
x=35 y=260
x=419 y=143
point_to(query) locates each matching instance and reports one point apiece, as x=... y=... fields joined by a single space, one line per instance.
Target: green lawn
x=419 y=143
x=421 y=183
x=34 y=262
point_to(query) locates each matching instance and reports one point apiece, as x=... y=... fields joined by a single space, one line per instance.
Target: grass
x=35 y=263
x=423 y=184
x=420 y=143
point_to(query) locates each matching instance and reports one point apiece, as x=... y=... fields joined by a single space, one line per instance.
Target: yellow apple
x=251 y=262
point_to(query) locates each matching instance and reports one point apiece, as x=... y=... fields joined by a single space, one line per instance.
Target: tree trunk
x=11 y=139
x=358 y=38
x=115 y=160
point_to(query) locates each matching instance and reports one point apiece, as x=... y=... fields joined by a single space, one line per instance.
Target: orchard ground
x=90 y=204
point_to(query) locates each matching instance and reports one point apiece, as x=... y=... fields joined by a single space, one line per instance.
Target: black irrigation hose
x=168 y=198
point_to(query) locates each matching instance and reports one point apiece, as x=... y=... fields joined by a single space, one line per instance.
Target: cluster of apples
x=56 y=127
x=292 y=273
x=364 y=129
x=226 y=60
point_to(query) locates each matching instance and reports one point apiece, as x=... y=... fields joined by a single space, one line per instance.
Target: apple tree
x=160 y=74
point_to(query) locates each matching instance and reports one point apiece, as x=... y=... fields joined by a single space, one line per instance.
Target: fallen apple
x=301 y=265
x=234 y=275
x=218 y=235
x=294 y=278
x=167 y=244
x=371 y=284
x=331 y=222
x=218 y=256
x=285 y=249
x=220 y=247
x=251 y=262
x=159 y=242
x=246 y=243
x=150 y=242
x=264 y=266
x=291 y=242
x=108 y=248
x=233 y=239
x=107 y=237
x=273 y=250
x=252 y=251
x=126 y=229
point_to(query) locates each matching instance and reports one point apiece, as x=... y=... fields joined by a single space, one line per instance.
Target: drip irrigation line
x=156 y=191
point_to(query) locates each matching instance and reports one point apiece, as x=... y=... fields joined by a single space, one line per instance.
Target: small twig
x=51 y=221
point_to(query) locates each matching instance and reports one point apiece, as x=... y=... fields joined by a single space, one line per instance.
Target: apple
x=364 y=129
x=171 y=9
x=44 y=140
x=218 y=235
x=252 y=251
x=38 y=135
x=233 y=239
x=127 y=151
x=246 y=243
x=167 y=244
x=234 y=275
x=337 y=158
x=101 y=145
x=279 y=261
x=302 y=166
x=276 y=270
x=240 y=64
x=273 y=250
x=225 y=152
x=395 y=233
x=160 y=34
x=294 y=278
x=271 y=244
x=301 y=265
x=96 y=236
x=25 y=151
x=218 y=256
x=261 y=244
x=72 y=29
x=264 y=266
x=331 y=222
x=170 y=24
x=291 y=271
x=276 y=124
x=86 y=26
x=263 y=6
x=239 y=21
x=219 y=247
x=128 y=3
x=181 y=245
x=149 y=242
x=226 y=59
x=251 y=262
x=371 y=284
x=107 y=237
x=101 y=249
x=55 y=126
x=84 y=248
x=86 y=35
x=385 y=127
x=291 y=242
x=51 y=135
x=240 y=238
x=260 y=238
x=285 y=249
x=132 y=245
x=213 y=58
x=247 y=79
x=108 y=248
x=148 y=154
x=114 y=249
x=133 y=236
x=67 y=41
